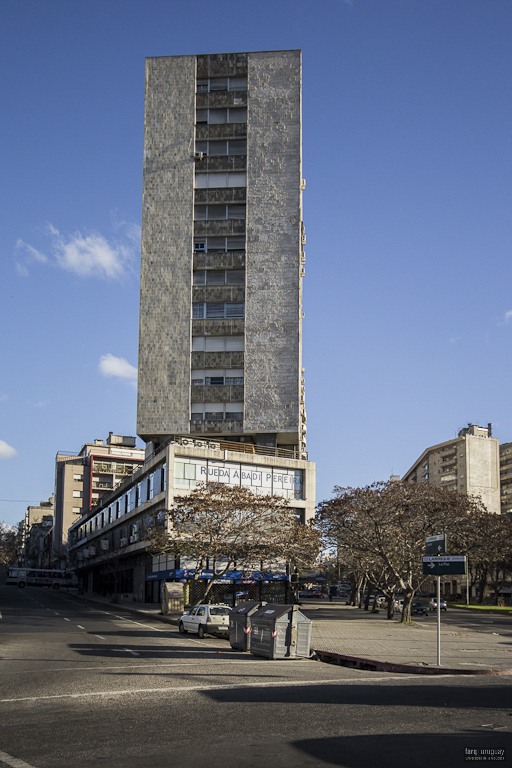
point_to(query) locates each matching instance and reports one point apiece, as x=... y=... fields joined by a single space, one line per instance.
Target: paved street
x=82 y=685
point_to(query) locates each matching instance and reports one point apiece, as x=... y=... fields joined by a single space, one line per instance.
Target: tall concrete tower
x=222 y=250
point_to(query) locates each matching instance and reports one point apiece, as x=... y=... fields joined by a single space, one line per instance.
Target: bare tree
x=386 y=524
x=8 y=541
x=229 y=527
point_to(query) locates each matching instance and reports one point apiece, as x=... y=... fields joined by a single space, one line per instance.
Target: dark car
x=419 y=608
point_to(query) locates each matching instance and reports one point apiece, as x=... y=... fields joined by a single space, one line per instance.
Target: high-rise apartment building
x=220 y=384
x=222 y=250
x=469 y=464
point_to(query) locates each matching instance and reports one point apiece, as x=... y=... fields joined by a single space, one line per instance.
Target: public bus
x=41 y=577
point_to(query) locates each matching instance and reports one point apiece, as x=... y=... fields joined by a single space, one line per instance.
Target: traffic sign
x=436 y=545
x=445 y=564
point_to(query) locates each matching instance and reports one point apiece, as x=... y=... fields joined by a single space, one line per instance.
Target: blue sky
x=407 y=156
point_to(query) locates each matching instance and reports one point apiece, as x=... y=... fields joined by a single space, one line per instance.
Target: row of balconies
x=221 y=99
x=216 y=293
x=221 y=131
x=219 y=227
x=221 y=65
x=220 y=195
x=219 y=327
x=217 y=360
x=219 y=260
x=222 y=163
x=220 y=393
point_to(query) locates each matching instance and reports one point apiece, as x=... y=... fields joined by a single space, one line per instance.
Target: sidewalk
x=353 y=637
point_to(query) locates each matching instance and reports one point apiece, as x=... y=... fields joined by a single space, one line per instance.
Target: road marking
x=80 y=626
x=132 y=652
x=218 y=687
x=57 y=614
x=100 y=637
x=1 y=617
x=66 y=619
x=14 y=761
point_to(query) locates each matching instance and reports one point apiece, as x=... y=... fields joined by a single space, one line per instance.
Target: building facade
x=107 y=544
x=470 y=463
x=220 y=379
x=222 y=250
x=32 y=530
x=82 y=479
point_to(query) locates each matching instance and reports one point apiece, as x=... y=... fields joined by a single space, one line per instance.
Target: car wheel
x=182 y=629
x=201 y=631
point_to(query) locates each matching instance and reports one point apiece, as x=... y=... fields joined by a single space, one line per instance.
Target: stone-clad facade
x=222 y=250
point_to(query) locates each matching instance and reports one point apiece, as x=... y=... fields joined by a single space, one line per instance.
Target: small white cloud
x=3 y=397
x=42 y=404
x=508 y=315
x=110 y=365
x=86 y=255
x=7 y=451
x=32 y=253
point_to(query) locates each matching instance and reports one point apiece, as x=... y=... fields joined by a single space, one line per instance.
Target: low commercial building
x=107 y=543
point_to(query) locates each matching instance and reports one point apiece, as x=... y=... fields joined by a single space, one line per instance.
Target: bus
x=41 y=577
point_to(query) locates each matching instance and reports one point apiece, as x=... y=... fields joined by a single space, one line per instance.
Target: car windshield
x=220 y=611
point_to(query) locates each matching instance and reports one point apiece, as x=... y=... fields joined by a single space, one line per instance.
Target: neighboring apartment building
x=469 y=464
x=506 y=479
x=222 y=250
x=38 y=520
x=82 y=479
x=220 y=380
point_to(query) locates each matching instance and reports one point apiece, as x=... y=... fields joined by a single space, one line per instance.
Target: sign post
x=439 y=565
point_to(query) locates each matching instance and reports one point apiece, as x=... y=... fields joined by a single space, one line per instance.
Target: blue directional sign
x=444 y=564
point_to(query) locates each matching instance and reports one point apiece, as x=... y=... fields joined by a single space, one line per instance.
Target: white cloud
x=86 y=255
x=3 y=397
x=7 y=451
x=508 y=315
x=118 y=367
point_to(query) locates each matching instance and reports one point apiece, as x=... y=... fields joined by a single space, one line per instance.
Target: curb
x=372 y=665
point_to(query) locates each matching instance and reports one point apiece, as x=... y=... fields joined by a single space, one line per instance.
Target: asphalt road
x=82 y=686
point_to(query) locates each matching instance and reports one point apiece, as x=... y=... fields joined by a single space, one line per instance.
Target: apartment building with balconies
x=222 y=250
x=470 y=463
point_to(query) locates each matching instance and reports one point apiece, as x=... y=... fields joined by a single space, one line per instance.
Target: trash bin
x=280 y=632
x=240 y=625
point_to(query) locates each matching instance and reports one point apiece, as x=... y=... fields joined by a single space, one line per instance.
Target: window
x=218 y=344
x=221 y=84
x=225 y=115
x=212 y=377
x=77 y=494
x=77 y=510
x=219 y=244
x=77 y=477
x=203 y=212
x=220 y=180
x=216 y=310
x=223 y=147
x=217 y=411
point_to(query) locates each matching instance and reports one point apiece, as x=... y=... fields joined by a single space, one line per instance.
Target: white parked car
x=206 y=619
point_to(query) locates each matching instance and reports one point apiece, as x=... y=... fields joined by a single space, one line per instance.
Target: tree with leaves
x=226 y=527
x=386 y=524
